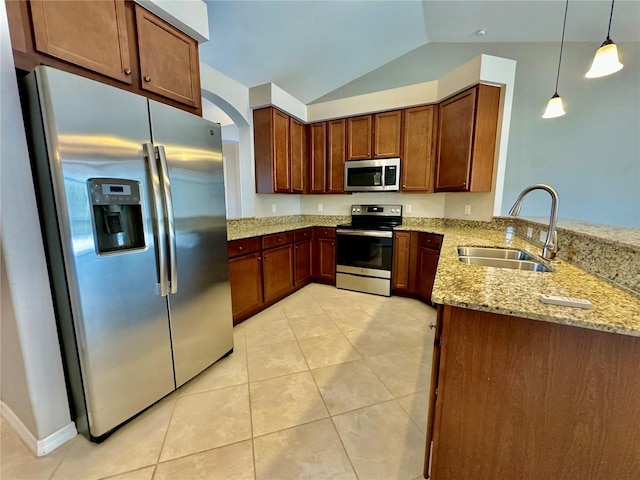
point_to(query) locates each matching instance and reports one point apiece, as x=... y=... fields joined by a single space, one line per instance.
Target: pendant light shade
x=554 y=107
x=606 y=60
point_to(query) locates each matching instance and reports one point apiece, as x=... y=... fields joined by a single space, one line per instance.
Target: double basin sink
x=502 y=258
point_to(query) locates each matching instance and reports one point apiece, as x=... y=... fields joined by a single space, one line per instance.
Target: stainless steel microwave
x=382 y=175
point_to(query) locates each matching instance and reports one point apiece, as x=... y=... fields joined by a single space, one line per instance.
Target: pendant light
x=606 y=60
x=554 y=107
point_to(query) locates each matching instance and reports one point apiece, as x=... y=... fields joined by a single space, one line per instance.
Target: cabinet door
x=271 y=147
x=245 y=277
x=327 y=260
x=427 y=266
x=387 y=134
x=168 y=59
x=468 y=127
x=90 y=34
x=336 y=156
x=299 y=160
x=302 y=257
x=400 y=276
x=359 y=137
x=419 y=142
x=277 y=264
x=318 y=156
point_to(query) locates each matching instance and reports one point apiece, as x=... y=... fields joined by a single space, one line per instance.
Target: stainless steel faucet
x=551 y=244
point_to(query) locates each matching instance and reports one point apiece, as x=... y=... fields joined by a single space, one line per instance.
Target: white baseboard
x=45 y=445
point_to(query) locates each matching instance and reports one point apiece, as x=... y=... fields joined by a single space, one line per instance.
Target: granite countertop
x=516 y=292
x=498 y=290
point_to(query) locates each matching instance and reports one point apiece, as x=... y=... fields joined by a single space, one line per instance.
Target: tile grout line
x=166 y=433
x=253 y=447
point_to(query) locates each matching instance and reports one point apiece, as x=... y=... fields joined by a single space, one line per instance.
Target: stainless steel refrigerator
x=131 y=195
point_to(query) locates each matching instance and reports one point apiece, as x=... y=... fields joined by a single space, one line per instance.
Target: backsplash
x=608 y=252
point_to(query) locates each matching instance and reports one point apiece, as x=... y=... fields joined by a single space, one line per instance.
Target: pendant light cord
x=564 y=25
x=610 y=17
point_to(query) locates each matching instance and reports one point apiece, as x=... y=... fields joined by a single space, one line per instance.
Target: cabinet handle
x=127 y=71
x=332 y=244
x=240 y=248
x=279 y=239
x=432 y=326
x=464 y=183
x=260 y=258
x=404 y=185
x=147 y=78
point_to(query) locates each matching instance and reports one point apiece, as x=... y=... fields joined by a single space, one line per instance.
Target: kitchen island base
x=528 y=399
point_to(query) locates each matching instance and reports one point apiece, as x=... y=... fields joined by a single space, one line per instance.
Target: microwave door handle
x=166 y=184
x=157 y=219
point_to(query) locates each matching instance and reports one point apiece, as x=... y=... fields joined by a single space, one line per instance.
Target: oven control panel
x=377 y=210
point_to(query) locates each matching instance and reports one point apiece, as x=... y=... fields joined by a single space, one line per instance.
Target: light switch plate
x=274 y=208
x=407 y=208
x=467 y=209
x=319 y=207
x=543 y=235
x=529 y=232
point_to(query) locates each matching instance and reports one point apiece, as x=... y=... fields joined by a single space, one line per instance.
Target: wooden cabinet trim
x=336 y=154
x=298 y=156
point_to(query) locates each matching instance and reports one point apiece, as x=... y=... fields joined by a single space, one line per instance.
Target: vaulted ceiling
x=310 y=48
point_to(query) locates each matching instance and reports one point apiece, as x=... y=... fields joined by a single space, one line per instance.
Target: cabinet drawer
x=325 y=232
x=243 y=247
x=277 y=239
x=304 y=234
x=430 y=240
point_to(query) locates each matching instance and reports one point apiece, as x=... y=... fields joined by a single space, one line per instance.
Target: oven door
x=365 y=252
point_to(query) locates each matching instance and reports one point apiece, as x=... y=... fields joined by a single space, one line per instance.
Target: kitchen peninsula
x=521 y=389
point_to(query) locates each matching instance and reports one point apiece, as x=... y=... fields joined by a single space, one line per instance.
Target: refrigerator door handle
x=166 y=184
x=158 y=220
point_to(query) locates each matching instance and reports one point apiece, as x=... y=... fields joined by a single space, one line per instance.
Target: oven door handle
x=366 y=233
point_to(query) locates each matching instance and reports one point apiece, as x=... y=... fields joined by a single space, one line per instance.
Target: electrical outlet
x=529 y=232
x=407 y=208
x=319 y=207
x=274 y=208
x=543 y=235
x=467 y=209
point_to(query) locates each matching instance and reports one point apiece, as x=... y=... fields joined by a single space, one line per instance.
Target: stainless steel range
x=365 y=249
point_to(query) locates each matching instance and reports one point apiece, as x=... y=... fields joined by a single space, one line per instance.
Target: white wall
x=33 y=389
x=591 y=155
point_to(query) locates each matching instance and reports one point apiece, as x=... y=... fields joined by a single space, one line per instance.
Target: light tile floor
x=325 y=384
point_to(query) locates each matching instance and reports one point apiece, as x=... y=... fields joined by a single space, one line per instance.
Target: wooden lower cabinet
x=324 y=252
x=427 y=265
x=528 y=399
x=405 y=251
x=302 y=262
x=245 y=278
x=277 y=271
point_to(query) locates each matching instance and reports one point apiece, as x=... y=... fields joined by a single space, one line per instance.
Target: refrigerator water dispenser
x=117 y=214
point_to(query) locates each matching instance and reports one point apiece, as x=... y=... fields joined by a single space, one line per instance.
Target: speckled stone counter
x=516 y=292
x=253 y=227
x=616 y=307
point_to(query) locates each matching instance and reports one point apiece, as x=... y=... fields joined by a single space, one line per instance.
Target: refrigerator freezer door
x=200 y=310
x=94 y=131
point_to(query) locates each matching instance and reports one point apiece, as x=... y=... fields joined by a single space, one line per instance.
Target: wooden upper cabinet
x=299 y=160
x=318 y=156
x=271 y=146
x=419 y=148
x=359 y=137
x=387 y=134
x=336 y=137
x=467 y=131
x=92 y=34
x=168 y=59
